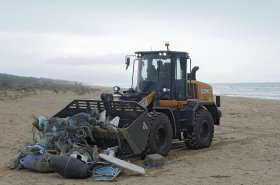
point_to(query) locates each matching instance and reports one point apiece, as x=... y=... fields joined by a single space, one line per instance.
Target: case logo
x=205 y=91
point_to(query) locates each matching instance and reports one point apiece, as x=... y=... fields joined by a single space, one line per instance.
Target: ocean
x=270 y=90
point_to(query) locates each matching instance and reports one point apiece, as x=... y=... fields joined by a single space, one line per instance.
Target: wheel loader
x=166 y=104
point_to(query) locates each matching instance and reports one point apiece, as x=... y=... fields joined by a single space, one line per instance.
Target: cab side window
x=180 y=83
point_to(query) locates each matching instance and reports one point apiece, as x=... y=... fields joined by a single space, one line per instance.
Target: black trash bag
x=70 y=167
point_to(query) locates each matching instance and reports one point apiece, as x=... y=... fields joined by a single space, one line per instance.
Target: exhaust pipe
x=218 y=101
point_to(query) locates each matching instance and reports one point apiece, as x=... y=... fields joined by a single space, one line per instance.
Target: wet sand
x=245 y=149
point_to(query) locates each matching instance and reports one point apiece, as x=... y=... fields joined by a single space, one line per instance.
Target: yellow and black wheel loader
x=166 y=104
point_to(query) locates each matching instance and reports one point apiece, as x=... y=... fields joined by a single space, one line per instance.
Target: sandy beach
x=245 y=149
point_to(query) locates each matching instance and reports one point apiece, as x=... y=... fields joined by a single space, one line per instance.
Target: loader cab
x=163 y=72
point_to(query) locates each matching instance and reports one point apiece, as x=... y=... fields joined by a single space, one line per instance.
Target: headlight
x=116 y=89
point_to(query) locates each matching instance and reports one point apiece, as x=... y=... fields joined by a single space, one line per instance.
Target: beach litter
x=37 y=162
x=106 y=173
x=67 y=146
x=154 y=160
x=123 y=164
x=70 y=167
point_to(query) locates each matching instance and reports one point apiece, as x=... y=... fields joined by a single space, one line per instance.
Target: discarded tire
x=70 y=167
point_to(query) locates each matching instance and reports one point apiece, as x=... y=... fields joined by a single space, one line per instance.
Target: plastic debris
x=102 y=116
x=21 y=153
x=81 y=119
x=67 y=146
x=115 y=121
x=80 y=157
x=95 y=153
x=44 y=143
x=34 y=149
x=70 y=167
x=62 y=134
x=82 y=153
x=94 y=112
x=43 y=123
x=110 y=151
x=37 y=162
x=154 y=160
x=123 y=164
x=106 y=173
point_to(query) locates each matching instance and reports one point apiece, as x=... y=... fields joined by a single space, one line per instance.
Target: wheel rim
x=161 y=137
x=204 y=130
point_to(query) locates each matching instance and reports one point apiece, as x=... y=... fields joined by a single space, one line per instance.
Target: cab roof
x=165 y=51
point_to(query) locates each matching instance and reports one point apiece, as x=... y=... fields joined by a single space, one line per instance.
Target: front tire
x=200 y=135
x=160 y=137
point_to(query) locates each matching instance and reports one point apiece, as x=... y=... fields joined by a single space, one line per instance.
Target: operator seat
x=166 y=75
x=151 y=73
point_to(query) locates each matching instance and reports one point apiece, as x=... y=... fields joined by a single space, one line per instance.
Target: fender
x=210 y=106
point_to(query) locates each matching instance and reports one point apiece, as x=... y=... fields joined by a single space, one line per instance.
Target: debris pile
x=67 y=146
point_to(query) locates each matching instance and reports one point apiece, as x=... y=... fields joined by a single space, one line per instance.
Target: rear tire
x=201 y=133
x=160 y=137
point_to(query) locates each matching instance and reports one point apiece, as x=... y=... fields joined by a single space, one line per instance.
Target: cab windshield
x=153 y=69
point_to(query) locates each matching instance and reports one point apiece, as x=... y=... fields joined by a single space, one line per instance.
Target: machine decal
x=205 y=91
x=144 y=127
x=145 y=102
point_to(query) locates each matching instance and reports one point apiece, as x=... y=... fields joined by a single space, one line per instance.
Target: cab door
x=180 y=79
x=177 y=98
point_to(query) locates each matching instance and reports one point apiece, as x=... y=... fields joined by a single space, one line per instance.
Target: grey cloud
x=84 y=61
x=221 y=36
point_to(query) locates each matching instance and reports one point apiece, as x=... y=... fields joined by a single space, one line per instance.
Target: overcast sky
x=87 y=40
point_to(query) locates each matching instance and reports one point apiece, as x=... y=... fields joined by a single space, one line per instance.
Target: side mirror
x=127 y=62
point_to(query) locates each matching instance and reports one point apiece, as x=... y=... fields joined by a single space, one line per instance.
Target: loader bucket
x=132 y=133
